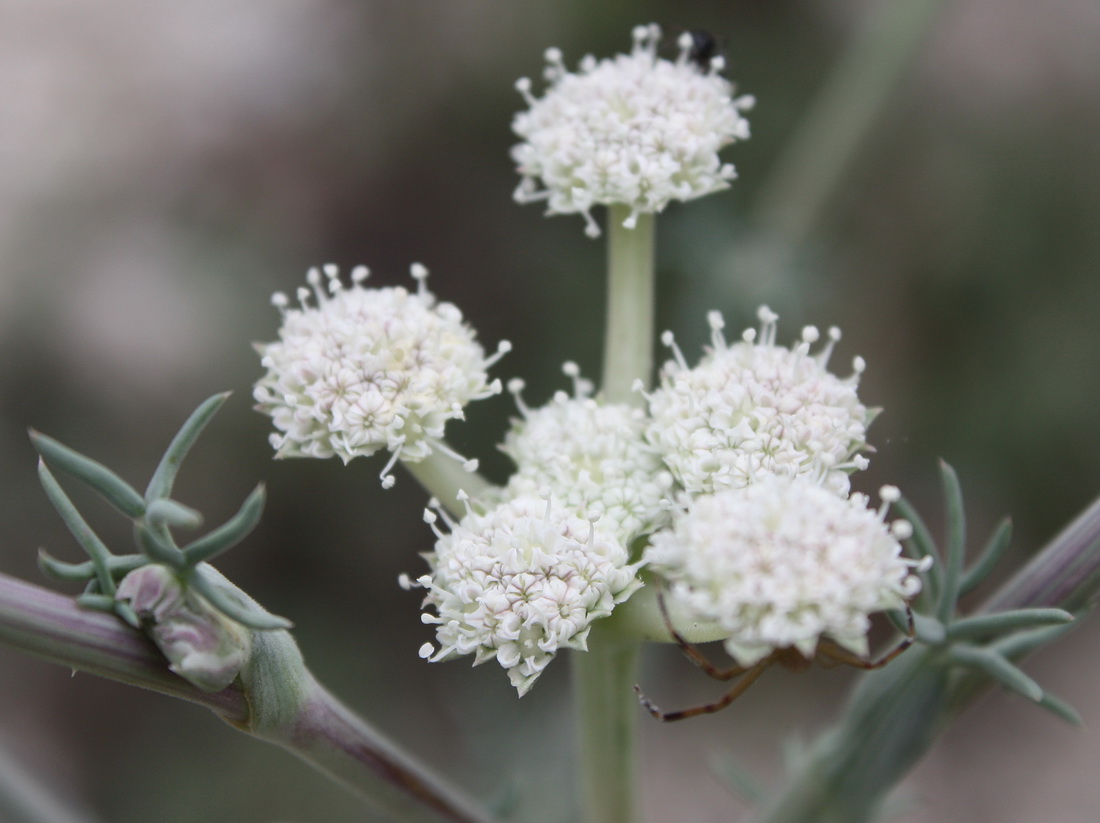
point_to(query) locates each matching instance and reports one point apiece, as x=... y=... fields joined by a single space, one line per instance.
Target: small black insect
x=704 y=48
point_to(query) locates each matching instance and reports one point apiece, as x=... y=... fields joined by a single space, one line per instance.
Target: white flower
x=592 y=457
x=519 y=583
x=753 y=409
x=784 y=562
x=636 y=130
x=368 y=369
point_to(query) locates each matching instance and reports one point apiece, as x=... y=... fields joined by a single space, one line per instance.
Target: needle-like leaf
x=235 y=607
x=229 y=533
x=991 y=555
x=987 y=625
x=999 y=668
x=955 y=548
x=102 y=480
x=78 y=527
x=164 y=477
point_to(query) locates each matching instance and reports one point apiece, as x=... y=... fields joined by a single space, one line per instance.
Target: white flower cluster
x=521 y=582
x=753 y=409
x=368 y=369
x=782 y=562
x=768 y=544
x=592 y=457
x=636 y=130
x=531 y=575
x=754 y=444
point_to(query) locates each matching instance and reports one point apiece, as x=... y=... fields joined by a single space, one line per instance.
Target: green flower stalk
x=632 y=133
x=631 y=290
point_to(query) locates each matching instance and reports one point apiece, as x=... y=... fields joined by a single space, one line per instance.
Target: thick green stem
x=604 y=676
x=628 y=347
x=851 y=101
x=603 y=679
x=1065 y=574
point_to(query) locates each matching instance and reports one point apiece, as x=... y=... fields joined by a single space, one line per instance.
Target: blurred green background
x=164 y=167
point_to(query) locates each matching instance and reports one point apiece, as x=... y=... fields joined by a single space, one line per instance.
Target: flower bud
x=202 y=645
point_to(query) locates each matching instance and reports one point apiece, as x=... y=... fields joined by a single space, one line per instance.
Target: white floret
x=753 y=409
x=783 y=563
x=593 y=458
x=636 y=130
x=519 y=583
x=367 y=369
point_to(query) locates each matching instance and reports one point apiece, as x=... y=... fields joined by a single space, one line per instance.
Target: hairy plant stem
x=628 y=346
x=276 y=699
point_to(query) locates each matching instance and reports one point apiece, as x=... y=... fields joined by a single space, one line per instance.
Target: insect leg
x=750 y=676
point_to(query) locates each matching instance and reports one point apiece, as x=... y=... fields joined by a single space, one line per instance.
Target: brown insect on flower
x=827 y=654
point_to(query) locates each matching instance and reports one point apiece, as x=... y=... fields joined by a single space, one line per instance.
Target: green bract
x=985 y=642
x=154 y=514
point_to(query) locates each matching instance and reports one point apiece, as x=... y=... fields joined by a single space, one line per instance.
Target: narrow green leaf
x=102 y=480
x=987 y=625
x=164 y=477
x=234 y=606
x=60 y=570
x=229 y=533
x=921 y=545
x=955 y=545
x=991 y=555
x=159 y=547
x=1025 y=642
x=999 y=668
x=119 y=565
x=127 y=613
x=164 y=513
x=78 y=527
x=98 y=602
x=1060 y=708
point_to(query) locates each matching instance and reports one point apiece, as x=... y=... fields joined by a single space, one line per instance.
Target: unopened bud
x=202 y=645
